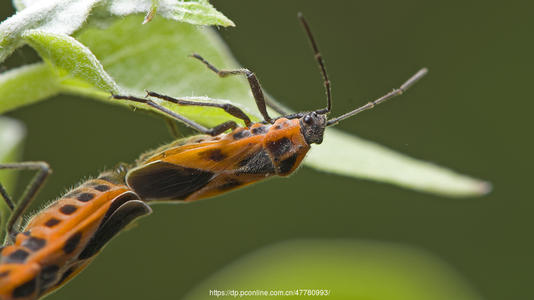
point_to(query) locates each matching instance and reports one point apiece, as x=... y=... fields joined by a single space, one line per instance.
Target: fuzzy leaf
x=67 y=16
x=71 y=58
x=20 y=4
x=160 y=61
x=54 y=16
x=26 y=85
x=199 y=12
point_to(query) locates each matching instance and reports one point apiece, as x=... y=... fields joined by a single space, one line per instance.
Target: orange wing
x=207 y=166
x=178 y=172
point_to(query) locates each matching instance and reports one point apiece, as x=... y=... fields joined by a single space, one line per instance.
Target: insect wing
x=121 y=217
x=181 y=172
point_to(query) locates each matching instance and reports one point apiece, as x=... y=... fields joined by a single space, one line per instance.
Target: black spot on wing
x=257 y=163
x=280 y=146
x=165 y=181
x=16 y=257
x=85 y=197
x=213 y=154
x=52 y=222
x=102 y=187
x=34 y=243
x=4 y=273
x=72 y=243
x=287 y=164
x=120 y=218
x=68 y=209
x=259 y=130
x=241 y=134
x=26 y=289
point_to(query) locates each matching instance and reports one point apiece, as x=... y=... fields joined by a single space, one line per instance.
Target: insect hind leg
x=18 y=209
x=252 y=80
x=209 y=131
x=227 y=107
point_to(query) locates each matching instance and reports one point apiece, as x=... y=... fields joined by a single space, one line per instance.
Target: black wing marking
x=161 y=180
x=113 y=224
x=257 y=163
x=118 y=202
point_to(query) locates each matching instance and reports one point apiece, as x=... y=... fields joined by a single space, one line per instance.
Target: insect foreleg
x=43 y=170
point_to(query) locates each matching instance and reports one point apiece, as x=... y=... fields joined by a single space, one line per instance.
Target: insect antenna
x=320 y=62
x=394 y=93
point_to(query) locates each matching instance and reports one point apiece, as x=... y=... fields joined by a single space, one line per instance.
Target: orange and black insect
x=64 y=237
x=216 y=162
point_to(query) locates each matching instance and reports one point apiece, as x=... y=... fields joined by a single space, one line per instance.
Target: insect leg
x=209 y=131
x=43 y=170
x=252 y=80
x=229 y=108
x=6 y=198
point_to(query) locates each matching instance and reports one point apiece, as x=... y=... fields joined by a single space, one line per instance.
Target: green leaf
x=67 y=16
x=347 y=269
x=161 y=63
x=12 y=134
x=27 y=85
x=55 y=16
x=70 y=58
x=199 y=12
x=155 y=56
x=352 y=156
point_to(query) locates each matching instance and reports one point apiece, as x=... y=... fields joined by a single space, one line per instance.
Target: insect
x=216 y=162
x=62 y=239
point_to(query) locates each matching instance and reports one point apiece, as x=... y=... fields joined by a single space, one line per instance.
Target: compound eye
x=307 y=119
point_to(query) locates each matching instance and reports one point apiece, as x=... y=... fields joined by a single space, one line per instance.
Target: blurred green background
x=472 y=113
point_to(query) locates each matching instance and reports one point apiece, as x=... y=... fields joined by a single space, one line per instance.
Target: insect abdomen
x=49 y=250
